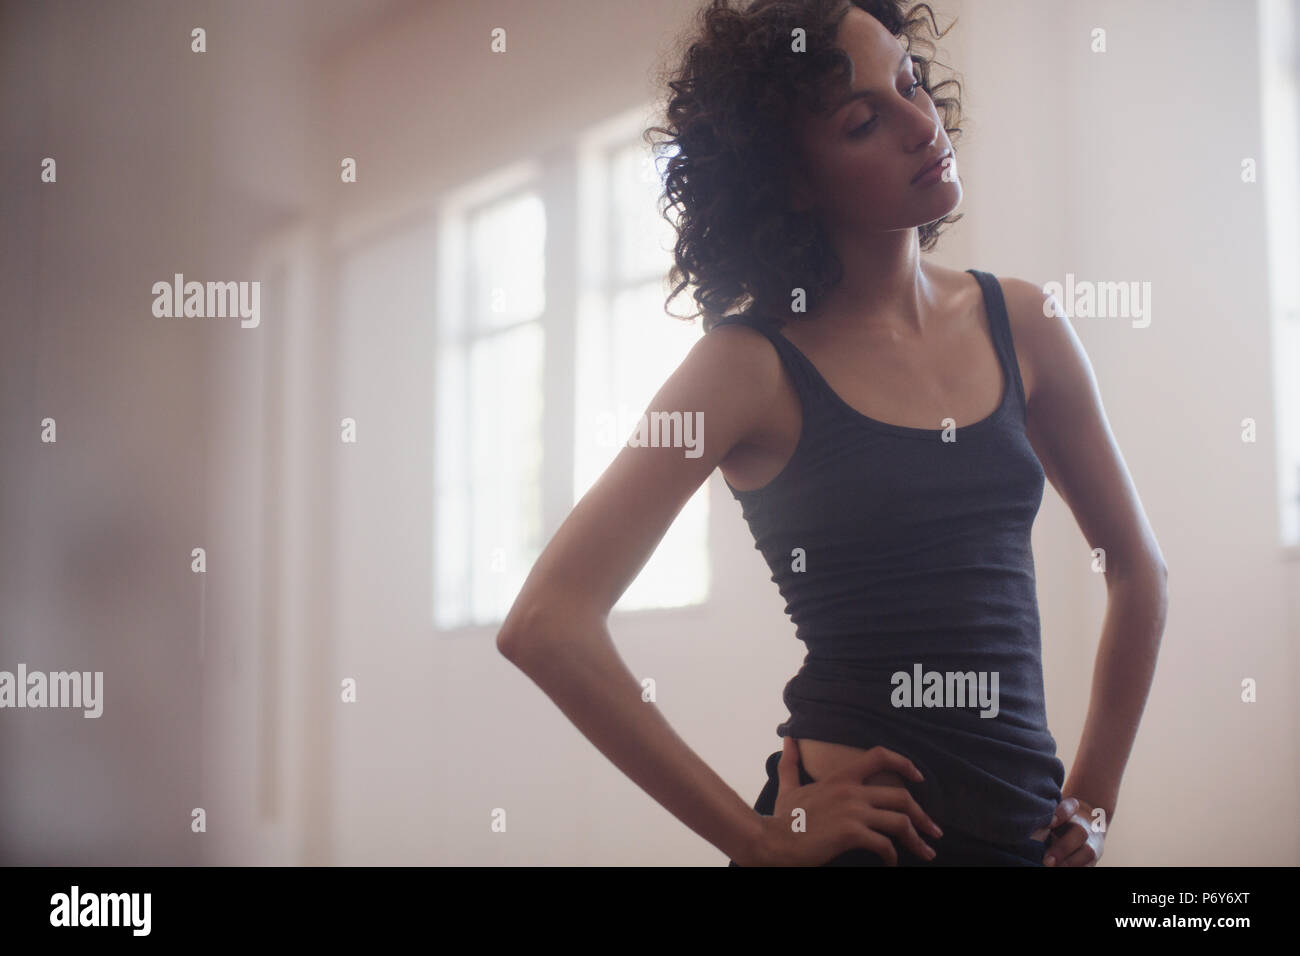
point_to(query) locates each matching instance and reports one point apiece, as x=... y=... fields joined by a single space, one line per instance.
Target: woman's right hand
x=842 y=813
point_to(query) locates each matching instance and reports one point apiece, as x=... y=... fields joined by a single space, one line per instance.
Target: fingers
x=877 y=812
x=879 y=844
x=896 y=798
x=893 y=810
x=1062 y=846
x=1086 y=855
x=875 y=760
x=1064 y=810
x=898 y=824
x=1088 y=851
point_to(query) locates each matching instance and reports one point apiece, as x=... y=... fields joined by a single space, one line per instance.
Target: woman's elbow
x=532 y=623
x=514 y=630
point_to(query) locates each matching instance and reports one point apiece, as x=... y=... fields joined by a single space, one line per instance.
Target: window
x=488 y=410
x=552 y=340
x=627 y=345
x=1280 y=165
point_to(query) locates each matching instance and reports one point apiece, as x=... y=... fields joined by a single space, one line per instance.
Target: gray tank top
x=906 y=568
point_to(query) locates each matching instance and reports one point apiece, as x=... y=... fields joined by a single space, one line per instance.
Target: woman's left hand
x=1072 y=841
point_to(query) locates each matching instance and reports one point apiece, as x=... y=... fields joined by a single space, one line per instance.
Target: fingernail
x=930 y=853
x=1049 y=861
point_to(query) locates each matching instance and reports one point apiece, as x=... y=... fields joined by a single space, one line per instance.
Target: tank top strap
x=807 y=380
x=1000 y=326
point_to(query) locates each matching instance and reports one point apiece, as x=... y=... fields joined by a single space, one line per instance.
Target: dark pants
x=954 y=848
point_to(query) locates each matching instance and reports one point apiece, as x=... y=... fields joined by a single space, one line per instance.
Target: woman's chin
x=945 y=197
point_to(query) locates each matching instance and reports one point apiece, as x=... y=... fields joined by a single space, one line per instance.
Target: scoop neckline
x=909 y=430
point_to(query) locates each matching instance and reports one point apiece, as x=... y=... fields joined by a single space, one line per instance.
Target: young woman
x=887 y=426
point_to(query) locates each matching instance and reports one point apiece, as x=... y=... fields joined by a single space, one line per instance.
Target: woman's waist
x=977 y=692
x=948 y=789
x=864 y=652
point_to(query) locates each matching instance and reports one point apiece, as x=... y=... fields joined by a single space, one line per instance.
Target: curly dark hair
x=737 y=92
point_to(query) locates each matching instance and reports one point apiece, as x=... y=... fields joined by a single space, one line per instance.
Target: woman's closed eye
x=862 y=130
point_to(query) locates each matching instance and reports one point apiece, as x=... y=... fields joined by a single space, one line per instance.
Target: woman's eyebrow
x=861 y=94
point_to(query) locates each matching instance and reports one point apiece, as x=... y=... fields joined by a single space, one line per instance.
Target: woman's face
x=861 y=159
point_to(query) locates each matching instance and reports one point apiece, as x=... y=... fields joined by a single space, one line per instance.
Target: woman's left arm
x=1069 y=432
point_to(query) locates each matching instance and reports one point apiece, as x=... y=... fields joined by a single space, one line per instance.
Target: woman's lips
x=934 y=172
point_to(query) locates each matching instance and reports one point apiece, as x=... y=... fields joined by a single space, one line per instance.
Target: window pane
x=451 y=493
x=643 y=239
x=507 y=262
x=505 y=475
x=487 y=531
x=624 y=357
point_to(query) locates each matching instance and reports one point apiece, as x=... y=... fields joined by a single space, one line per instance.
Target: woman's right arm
x=556 y=630
x=556 y=633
